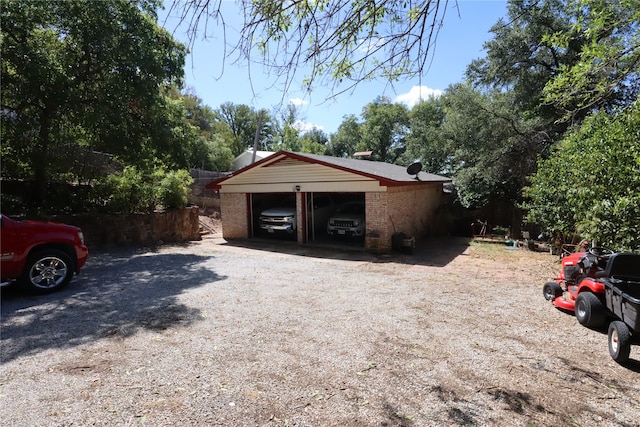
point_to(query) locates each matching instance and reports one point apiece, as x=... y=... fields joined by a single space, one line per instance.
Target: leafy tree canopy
x=608 y=72
x=384 y=130
x=591 y=184
x=343 y=143
x=85 y=74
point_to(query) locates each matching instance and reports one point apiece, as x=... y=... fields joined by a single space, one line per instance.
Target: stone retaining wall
x=178 y=225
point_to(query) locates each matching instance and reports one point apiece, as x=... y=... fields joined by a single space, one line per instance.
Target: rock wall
x=178 y=225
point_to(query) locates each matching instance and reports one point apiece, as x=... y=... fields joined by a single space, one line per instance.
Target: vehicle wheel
x=551 y=291
x=589 y=310
x=619 y=341
x=47 y=271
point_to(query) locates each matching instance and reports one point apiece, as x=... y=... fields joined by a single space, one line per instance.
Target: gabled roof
x=378 y=169
x=388 y=173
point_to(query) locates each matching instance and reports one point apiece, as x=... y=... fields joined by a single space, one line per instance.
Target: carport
x=394 y=200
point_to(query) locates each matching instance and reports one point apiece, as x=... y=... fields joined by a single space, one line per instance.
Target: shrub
x=174 y=189
x=131 y=191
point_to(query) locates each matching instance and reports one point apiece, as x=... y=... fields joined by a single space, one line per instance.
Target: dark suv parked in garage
x=348 y=221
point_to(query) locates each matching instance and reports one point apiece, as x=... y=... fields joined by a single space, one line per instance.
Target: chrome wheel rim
x=48 y=272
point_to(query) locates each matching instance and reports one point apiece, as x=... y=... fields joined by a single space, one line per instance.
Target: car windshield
x=286 y=202
x=352 y=208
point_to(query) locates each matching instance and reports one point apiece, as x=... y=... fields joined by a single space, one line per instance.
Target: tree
x=425 y=141
x=521 y=58
x=343 y=143
x=339 y=42
x=242 y=121
x=78 y=73
x=591 y=183
x=314 y=141
x=288 y=134
x=211 y=149
x=384 y=130
x=492 y=148
x=608 y=73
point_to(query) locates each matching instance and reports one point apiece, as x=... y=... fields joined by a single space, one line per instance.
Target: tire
x=619 y=341
x=589 y=310
x=47 y=271
x=551 y=291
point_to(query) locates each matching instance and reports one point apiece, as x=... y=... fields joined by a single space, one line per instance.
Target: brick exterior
x=234 y=213
x=406 y=209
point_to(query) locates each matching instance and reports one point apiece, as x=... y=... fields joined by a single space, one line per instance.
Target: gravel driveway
x=210 y=333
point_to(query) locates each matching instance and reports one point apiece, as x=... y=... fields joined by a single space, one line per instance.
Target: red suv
x=42 y=256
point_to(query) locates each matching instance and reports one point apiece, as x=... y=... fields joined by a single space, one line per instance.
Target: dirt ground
x=262 y=333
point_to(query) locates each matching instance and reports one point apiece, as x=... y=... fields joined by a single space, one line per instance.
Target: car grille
x=348 y=224
x=273 y=220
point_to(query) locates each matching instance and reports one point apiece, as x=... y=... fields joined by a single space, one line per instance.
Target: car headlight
x=81 y=237
x=331 y=222
x=356 y=223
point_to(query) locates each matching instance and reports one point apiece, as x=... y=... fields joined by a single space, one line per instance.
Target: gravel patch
x=263 y=334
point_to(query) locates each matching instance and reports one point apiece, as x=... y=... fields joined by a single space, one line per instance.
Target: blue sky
x=215 y=81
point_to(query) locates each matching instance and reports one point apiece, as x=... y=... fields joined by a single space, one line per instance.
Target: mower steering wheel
x=600 y=252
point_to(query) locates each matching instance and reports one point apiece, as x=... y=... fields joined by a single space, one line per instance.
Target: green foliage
x=131 y=190
x=492 y=149
x=520 y=57
x=174 y=189
x=239 y=122
x=384 y=130
x=314 y=142
x=425 y=140
x=608 y=72
x=85 y=74
x=135 y=190
x=591 y=183
x=343 y=143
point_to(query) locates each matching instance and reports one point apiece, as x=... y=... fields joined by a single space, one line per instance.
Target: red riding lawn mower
x=600 y=286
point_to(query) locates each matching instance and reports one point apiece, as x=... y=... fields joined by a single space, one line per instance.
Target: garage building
x=395 y=201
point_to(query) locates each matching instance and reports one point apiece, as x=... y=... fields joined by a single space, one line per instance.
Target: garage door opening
x=336 y=218
x=273 y=215
x=329 y=218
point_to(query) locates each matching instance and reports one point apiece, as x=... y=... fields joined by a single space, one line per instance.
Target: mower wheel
x=551 y=291
x=619 y=341
x=589 y=310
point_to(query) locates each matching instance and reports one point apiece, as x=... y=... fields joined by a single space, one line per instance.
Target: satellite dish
x=414 y=169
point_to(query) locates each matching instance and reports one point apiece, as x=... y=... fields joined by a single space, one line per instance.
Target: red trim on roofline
x=284 y=155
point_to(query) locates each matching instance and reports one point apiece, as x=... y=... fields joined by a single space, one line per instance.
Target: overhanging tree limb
x=332 y=43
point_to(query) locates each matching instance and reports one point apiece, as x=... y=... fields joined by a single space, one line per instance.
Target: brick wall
x=407 y=209
x=413 y=211
x=233 y=210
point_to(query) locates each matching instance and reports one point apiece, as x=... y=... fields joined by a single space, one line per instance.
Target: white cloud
x=298 y=102
x=305 y=126
x=416 y=94
x=370 y=45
